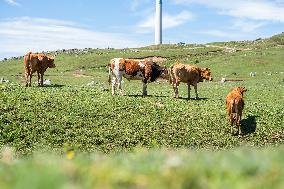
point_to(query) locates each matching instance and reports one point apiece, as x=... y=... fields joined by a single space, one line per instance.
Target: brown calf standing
x=36 y=62
x=189 y=74
x=235 y=105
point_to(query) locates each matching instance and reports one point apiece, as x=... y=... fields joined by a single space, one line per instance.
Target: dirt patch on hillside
x=152 y=58
x=79 y=73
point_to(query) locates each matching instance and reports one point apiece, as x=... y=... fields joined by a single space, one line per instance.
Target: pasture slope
x=173 y=143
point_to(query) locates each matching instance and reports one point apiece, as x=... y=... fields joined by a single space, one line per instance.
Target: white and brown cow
x=189 y=74
x=133 y=69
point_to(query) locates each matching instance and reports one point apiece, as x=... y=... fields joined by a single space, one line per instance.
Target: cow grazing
x=133 y=69
x=189 y=74
x=37 y=62
x=235 y=105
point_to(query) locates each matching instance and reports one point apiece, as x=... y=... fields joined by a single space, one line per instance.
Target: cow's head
x=241 y=90
x=206 y=74
x=50 y=62
x=164 y=73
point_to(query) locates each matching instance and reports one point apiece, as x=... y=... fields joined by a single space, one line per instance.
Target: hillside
x=70 y=111
x=74 y=134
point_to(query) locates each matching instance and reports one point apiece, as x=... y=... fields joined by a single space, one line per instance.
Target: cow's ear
x=51 y=58
x=40 y=58
x=122 y=60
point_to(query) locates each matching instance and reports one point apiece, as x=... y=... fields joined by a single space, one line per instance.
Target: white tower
x=158 y=23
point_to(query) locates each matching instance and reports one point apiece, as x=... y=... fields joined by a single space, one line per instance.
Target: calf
x=189 y=74
x=133 y=69
x=235 y=105
x=37 y=62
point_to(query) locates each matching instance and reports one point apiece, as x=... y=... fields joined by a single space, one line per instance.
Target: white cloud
x=169 y=21
x=135 y=4
x=174 y=21
x=246 y=26
x=20 y=35
x=12 y=2
x=219 y=33
x=253 y=9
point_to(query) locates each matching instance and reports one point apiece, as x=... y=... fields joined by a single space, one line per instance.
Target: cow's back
x=186 y=73
x=235 y=100
x=132 y=67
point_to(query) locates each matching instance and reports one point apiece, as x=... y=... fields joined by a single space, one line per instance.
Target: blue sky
x=37 y=25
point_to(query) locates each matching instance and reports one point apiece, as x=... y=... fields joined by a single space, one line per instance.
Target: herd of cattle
x=147 y=71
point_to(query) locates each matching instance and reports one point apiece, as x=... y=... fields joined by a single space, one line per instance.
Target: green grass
x=166 y=168
x=92 y=121
x=90 y=118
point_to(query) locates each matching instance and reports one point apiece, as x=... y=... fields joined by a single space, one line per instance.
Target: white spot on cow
x=141 y=65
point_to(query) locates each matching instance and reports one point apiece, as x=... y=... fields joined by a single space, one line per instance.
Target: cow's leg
x=232 y=122
x=239 y=115
x=119 y=85
x=175 y=87
x=41 y=79
x=188 y=90
x=30 y=80
x=38 y=79
x=144 y=85
x=113 y=85
x=195 y=88
x=27 y=78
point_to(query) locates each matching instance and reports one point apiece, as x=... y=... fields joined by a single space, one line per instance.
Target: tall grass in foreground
x=238 y=168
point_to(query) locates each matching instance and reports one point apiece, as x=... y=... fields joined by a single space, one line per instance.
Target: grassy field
x=90 y=120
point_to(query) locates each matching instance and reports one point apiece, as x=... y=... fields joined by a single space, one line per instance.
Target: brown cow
x=133 y=69
x=189 y=74
x=235 y=105
x=37 y=62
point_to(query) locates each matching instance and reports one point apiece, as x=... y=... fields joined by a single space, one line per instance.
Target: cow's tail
x=171 y=74
x=27 y=59
x=29 y=55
